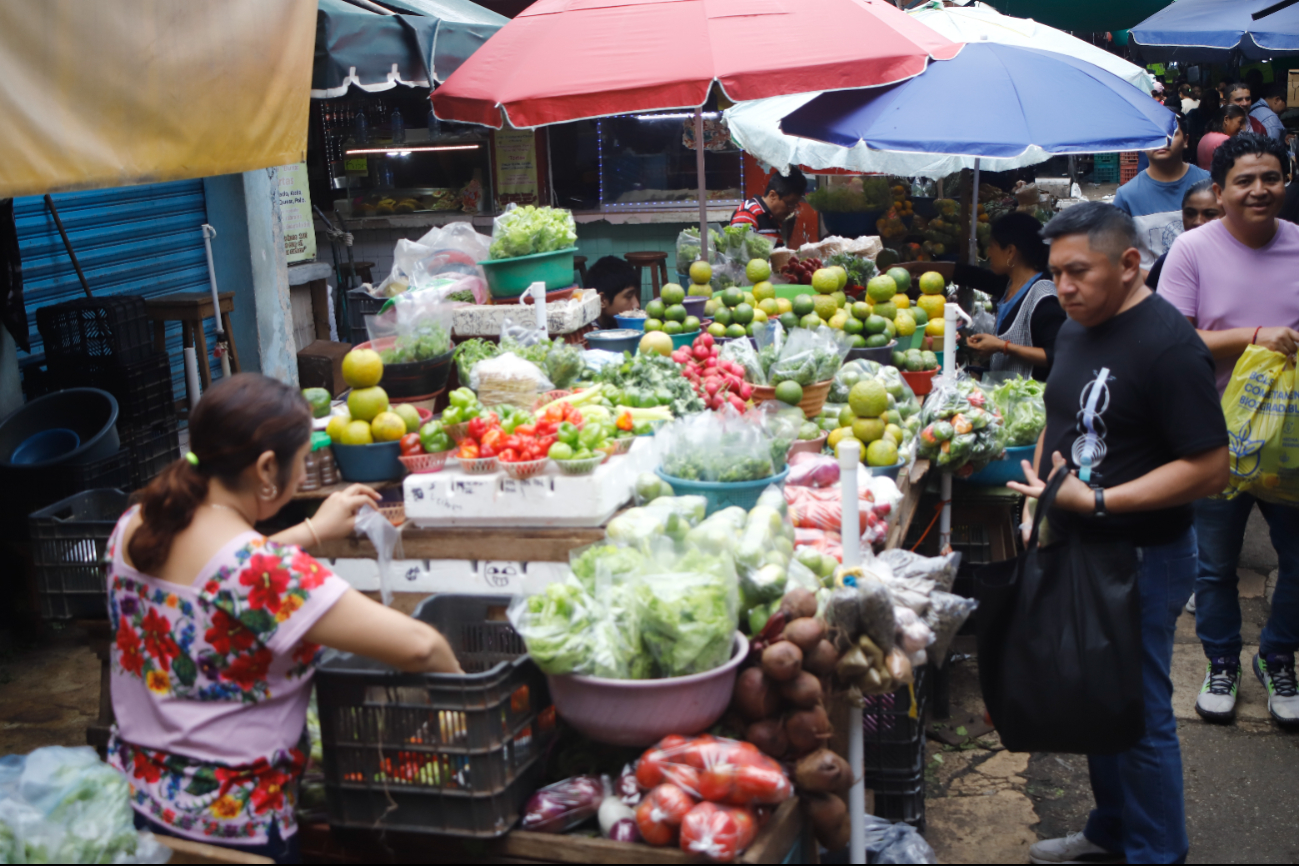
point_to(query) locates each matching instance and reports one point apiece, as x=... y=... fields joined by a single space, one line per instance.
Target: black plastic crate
x=153 y=446
x=359 y=305
x=115 y=327
x=893 y=731
x=69 y=541
x=437 y=753
x=111 y=472
x=901 y=800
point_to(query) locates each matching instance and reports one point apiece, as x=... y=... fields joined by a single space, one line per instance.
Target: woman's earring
x=270 y=492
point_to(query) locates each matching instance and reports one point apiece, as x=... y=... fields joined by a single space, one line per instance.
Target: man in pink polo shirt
x=1237 y=280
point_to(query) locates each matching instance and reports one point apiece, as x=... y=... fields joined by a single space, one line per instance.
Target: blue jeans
x=276 y=848
x=1139 y=805
x=1220 y=526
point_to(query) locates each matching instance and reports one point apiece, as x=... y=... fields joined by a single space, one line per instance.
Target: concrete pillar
x=248 y=255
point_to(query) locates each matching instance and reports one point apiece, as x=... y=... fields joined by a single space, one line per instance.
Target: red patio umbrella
x=564 y=60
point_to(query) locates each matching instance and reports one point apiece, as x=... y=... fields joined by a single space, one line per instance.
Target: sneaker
x=1074 y=848
x=1217 y=700
x=1277 y=674
x=1190 y=604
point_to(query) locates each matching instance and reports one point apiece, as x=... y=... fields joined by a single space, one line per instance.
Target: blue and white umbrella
x=1220 y=31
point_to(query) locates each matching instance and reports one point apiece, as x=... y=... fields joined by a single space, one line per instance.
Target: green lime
x=789 y=321
x=723 y=315
x=676 y=313
x=671 y=327
x=811 y=321
x=876 y=341
x=852 y=326
x=789 y=392
x=690 y=324
x=742 y=313
x=735 y=331
x=655 y=309
x=672 y=293
x=732 y=297
x=653 y=324
x=803 y=304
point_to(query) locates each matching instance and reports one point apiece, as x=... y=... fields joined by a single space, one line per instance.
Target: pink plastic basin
x=642 y=712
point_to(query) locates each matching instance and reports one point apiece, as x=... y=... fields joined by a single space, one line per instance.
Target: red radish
x=746 y=391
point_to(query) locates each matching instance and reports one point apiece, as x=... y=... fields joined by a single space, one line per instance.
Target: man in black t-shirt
x=1132 y=414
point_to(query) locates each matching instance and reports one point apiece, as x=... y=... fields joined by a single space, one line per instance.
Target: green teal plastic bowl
x=377 y=462
x=509 y=278
x=998 y=472
x=723 y=494
x=789 y=291
x=679 y=340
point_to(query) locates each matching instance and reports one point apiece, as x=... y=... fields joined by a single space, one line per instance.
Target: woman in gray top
x=1029 y=314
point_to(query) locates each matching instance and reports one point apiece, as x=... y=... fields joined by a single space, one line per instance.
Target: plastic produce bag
x=419 y=323
x=561 y=361
x=508 y=379
x=1261 y=404
x=720 y=833
x=64 y=805
x=688 y=611
x=1023 y=409
x=688 y=250
x=527 y=230
x=556 y=625
x=563 y=805
x=946 y=614
x=905 y=565
x=386 y=539
x=715 y=446
x=770 y=339
x=887 y=842
x=715 y=769
x=809 y=357
x=961 y=429
x=742 y=352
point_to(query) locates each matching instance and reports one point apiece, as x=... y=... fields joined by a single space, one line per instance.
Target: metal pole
x=949 y=370
x=850 y=530
x=222 y=341
x=974 y=216
x=703 y=185
x=54 y=212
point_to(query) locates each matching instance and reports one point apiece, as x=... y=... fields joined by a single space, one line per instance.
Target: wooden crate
x=320 y=365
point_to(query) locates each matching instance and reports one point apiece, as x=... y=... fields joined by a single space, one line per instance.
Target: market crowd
x=1195 y=261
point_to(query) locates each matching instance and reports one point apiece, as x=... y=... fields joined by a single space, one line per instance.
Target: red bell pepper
x=410 y=446
x=509 y=455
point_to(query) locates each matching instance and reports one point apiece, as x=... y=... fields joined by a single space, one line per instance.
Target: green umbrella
x=1082 y=17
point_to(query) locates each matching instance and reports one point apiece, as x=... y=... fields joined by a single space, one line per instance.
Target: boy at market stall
x=1153 y=198
x=771 y=214
x=619 y=286
x=1141 y=374
x=1202 y=280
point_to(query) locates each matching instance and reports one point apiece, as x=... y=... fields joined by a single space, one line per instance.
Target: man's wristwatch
x=1100 y=511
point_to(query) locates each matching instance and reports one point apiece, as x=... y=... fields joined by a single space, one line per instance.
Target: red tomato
x=761 y=785
x=649 y=769
x=486 y=451
x=509 y=455
x=672 y=801
x=683 y=776
x=672 y=741
x=711 y=831
x=717 y=783
x=653 y=829
x=410 y=446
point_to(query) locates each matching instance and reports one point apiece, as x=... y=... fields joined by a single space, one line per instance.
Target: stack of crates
x=451 y=754
x=1128 y=165
x=1106 y=168
x=69 y=544
x=360 y=304
x=893 y=736
x=107 y=343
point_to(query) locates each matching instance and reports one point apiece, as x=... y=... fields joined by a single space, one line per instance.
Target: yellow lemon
x=934 y=328
x=336 y=426
x=784 y=305
x=387 y=427
x=362 y=368
x=357 y=433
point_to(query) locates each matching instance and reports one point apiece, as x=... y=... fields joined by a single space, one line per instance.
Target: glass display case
x=643 y=162
x=386 y=156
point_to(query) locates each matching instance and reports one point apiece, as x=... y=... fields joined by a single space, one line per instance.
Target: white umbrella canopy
x=978 y=21
x=755 y=125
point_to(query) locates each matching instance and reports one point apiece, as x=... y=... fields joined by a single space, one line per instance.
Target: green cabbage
x=1023 y=409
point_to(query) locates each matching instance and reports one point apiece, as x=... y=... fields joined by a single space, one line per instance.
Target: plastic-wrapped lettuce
x=689 y=611
x=523 y=231
x=557 y=625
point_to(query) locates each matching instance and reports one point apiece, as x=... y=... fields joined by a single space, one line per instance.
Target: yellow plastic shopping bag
x=1262 y=409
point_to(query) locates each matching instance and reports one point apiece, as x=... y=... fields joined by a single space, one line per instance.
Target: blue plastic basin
x=723 y=494
x=999 y=472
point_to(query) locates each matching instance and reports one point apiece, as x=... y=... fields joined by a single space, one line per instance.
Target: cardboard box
x=320 y=365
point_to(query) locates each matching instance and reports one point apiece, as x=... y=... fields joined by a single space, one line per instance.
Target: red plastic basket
x=425 y=463
x=525 y=468
x=479 y=465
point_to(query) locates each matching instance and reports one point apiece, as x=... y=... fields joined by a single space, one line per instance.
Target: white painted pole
x=191 y=376
x=538 y=292
x=703 y=184
x=974 y=216
x=222 y=339
x=850 y=529
x=950 y=311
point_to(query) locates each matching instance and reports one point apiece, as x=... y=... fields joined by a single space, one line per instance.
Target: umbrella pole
x=849 y=460
x=703 y=185
x=222 y=350
x=974 y=216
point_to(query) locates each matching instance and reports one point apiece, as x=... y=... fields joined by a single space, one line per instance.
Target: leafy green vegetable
x=556 y=625
x=689 y=613
x=874 y=195
x=1023 y=409
x=526 y=230
x=656 y=375
x=860 y=270
x=429 y=340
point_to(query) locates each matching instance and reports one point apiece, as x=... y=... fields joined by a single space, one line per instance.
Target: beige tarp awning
x=116 y=92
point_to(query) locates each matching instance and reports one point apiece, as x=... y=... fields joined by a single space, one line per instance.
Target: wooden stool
x=190 y=309
x=579 y=264
x=99 y=637
x=362 y=269
x=657 y=262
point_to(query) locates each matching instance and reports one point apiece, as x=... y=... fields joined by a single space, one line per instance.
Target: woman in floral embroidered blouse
x=218 y=628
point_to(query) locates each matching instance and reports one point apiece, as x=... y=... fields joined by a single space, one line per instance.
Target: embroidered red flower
x=228 y=634
x=269 y=793
x=168 y=816
x=157 y=639
x=248 y=669
x=311 y=574
x=267 y=578
x=211 y=587
x=128 y=648
x=145 y=767
x=305 y=654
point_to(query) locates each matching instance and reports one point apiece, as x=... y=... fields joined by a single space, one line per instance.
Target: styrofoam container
x=642 y=712
x=451 y=498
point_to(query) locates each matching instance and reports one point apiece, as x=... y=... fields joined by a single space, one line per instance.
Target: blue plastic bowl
x=999 y=472
x=723 y=494
x=633 y=323
x=377 y=462
x=620 y=340
x=886 y=471
x=679 y=340
x=46 y=445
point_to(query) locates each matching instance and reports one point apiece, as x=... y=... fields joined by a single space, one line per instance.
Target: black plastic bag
x=1060 y=644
